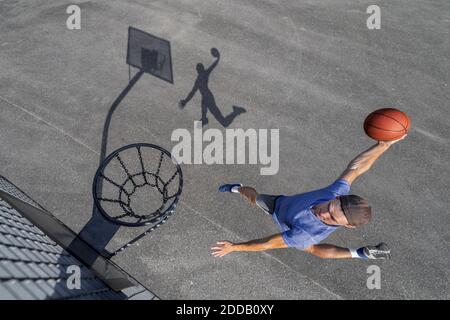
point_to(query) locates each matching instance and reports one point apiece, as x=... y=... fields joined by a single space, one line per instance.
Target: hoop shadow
x=151 y=55
x=208 y=100
x=98 y=231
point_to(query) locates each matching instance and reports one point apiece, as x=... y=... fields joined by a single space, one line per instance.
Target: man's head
x=356 y=209
x=350 y=211
x=200 y=68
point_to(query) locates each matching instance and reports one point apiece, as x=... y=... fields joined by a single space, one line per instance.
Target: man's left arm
x=275 y=241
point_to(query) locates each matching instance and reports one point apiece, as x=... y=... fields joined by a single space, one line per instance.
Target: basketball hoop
x=138 y=185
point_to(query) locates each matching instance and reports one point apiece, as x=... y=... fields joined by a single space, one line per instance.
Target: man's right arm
x=365 y=160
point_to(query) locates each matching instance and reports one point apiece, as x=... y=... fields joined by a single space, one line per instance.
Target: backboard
x=150 y=54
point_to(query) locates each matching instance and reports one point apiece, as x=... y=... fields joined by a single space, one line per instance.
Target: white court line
x=48 y=124
x=430 y=135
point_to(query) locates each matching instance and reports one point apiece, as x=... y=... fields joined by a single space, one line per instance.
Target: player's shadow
x=208 y=101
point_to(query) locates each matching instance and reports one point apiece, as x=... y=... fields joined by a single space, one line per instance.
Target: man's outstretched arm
x=272 y=242
x=365 y=160
x=325 y=251
x=329 y=251
x=213 y=65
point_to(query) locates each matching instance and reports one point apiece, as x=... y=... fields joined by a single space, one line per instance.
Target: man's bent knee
x=249 y=192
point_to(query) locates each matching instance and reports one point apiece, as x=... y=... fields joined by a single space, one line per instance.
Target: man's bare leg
x=263 y=201
x=249 y=193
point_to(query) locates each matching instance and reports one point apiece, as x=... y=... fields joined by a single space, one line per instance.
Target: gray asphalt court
x=311 y=69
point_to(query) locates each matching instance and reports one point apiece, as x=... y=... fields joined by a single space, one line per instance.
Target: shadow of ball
x=215 y=52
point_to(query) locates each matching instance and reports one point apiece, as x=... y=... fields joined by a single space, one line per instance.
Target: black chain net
x=133 y=186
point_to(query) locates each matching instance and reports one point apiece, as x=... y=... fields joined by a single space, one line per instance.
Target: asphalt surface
x=311 y=69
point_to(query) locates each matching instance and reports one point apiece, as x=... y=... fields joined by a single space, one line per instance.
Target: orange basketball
x=386 y=124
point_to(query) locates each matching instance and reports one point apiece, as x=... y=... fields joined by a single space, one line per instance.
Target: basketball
x=215 y=52
x=386 y=124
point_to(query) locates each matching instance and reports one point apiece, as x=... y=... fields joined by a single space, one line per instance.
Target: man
x=308 y=218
